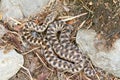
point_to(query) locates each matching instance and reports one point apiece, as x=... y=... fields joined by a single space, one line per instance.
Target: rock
x=32 y=6
x=21 y=8
x=9 y=64
x=2 y=31
x=85 y=39
x=108 y=60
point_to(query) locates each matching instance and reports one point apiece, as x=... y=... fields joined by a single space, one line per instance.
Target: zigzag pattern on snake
x=58 y=50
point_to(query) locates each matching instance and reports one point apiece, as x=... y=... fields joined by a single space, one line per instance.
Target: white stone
x=10 y=10
x=2 y=31
x=108 y=60
x=9 y=64
x=85 y=39
x=21 y=8
x=30 y=7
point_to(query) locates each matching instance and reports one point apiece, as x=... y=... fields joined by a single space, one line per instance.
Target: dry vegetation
x=101 y=15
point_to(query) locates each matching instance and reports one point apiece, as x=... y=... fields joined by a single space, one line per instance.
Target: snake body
x=75 y=59
x=59 y=52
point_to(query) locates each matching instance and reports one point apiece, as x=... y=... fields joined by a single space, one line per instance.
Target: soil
x=102 y=15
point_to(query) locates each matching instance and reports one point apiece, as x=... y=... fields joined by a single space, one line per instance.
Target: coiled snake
x=59 y=52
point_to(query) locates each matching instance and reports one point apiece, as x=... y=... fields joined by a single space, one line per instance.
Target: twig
x=30 y=50
x=43 y=62
x=86 y=7
x=27 y=71
x=24 y=72
x=81 y=25
x=94 y=70
x=15 y=20
x=73 y=17
x=89 y=26
x=72 y=76
x=63 y=17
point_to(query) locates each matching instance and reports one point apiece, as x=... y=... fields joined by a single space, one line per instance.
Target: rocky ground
x=103 y=16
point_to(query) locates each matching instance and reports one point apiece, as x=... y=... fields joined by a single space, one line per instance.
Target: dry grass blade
x=30 y=76
x=86 y=7
x=73 y=17
x=94 y=70
x=89 y=26
x=15 y=20
x=43 y=62
x=68 y=78
x=30 y=50
x=81 y=25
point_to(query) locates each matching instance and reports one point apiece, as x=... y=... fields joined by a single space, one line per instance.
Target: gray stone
x=2 y=31
x=9 y=64
x=21 y=8
x=108 y=60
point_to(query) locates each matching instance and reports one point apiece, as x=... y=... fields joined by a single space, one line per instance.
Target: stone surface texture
x=9 y=64
x=21 y=8
x=108 y=60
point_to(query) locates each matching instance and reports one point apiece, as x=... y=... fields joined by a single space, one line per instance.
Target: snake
x=59 y=52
